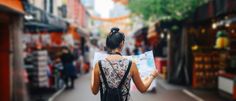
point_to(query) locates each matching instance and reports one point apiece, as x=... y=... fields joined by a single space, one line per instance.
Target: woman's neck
x=115 y=54
x=116 y=51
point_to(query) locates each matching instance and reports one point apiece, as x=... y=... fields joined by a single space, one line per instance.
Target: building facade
x=11 y=75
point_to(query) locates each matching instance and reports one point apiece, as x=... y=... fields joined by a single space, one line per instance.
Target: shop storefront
x=43 y=40
x=11 y=73
x=212 y=39
x=165 y=39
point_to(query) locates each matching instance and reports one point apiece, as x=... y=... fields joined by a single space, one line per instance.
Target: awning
x=14 y=5
x=141 y=32
x=73 y=30
x=33 y=26
x=83 y=32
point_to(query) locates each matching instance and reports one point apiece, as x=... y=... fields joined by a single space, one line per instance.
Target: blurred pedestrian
x=128 y=51
x=86 y=66
x=69 y=71
x=137 y=50
x=114 y=73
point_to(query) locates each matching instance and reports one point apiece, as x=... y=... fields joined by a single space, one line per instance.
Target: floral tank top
x=120 y=67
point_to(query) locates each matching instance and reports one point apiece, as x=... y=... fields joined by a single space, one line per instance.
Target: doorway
x=4 y=62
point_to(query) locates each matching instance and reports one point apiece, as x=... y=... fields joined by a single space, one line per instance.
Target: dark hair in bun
x=115 y=38
x=114 y=30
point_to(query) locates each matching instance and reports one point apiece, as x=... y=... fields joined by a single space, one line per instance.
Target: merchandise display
x=206 y=68
x=39 y=73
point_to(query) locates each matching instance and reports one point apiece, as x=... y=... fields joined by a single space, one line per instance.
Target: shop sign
x=15 y=5
x=56 y=21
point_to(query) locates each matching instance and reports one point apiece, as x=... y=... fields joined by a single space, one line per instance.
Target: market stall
x=42 y=39
x=212 y=40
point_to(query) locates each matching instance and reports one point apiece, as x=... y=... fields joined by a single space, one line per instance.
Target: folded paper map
x=145 y=64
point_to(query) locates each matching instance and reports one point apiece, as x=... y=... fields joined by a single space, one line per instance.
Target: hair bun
x=115 y=30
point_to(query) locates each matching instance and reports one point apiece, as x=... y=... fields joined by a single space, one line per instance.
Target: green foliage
x=164 y=9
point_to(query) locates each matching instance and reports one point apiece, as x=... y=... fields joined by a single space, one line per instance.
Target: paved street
x=82 y=92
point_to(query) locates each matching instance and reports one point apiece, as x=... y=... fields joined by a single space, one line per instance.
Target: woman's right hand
x=142 y=85
x=155 y=73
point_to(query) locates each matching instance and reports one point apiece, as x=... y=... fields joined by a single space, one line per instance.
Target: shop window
x=51 y=6
x=48 y=6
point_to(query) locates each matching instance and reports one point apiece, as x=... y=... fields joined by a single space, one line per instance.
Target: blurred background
x=193 y=42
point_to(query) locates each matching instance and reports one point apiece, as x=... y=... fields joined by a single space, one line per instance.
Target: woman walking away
x=112 y=76
x=69 y=72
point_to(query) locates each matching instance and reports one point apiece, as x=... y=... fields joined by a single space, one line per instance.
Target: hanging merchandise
x=68 y=38
x=46 y=39
x=222 y=40
x=26 y=38
x=40 y=70
x=35 y=38
x=56 y=38
x=205 y=70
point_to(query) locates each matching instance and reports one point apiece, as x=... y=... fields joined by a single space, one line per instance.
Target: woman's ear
x=122 y=44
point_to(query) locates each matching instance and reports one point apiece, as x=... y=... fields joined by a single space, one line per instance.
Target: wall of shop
x=4 y=60
x=11 y=74
x=18 y=82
